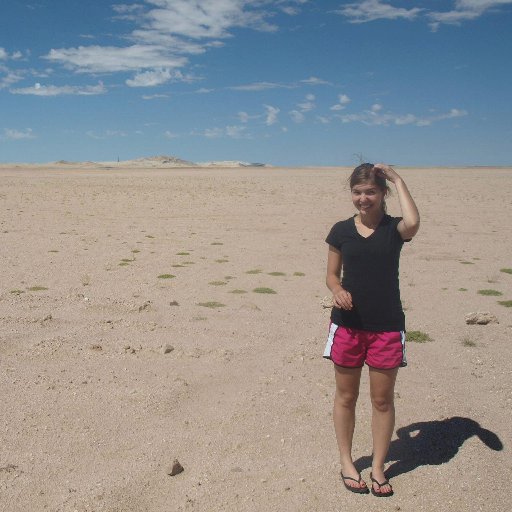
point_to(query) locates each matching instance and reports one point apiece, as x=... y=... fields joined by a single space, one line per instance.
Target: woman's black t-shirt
x=370 y=274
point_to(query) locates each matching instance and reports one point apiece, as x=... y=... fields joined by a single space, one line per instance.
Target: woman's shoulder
x=389 y=220
x=340 y=230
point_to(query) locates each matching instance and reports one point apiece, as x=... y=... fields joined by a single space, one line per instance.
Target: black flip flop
x=357 y=490
x=378 y=493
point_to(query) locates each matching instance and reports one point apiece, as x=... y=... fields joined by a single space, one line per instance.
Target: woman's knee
x=346 y=398
x=383 y=403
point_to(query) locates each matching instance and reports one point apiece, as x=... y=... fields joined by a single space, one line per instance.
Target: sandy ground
x=93 y=412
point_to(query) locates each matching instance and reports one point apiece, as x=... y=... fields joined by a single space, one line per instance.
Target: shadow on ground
x=431 y=443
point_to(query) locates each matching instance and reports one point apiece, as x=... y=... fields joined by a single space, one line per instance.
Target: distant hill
x=161 y=161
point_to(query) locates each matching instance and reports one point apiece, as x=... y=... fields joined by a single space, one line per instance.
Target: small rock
x=96 y=347
x=397 y=394
x=176 y=468
x=174 y=303
x=166 y=349
x=144 y=306
x=481 y=318
x=250 y=306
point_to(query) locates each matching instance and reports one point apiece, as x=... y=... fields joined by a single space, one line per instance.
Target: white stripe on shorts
x=402 y=339
x=330 y=340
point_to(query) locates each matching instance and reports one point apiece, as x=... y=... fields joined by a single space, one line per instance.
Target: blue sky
x=285 y=82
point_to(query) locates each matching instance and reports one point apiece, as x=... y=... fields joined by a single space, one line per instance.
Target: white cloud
x=375 y=117
x=170 y=135
x=150 y=78
x=271 y=115
x=108 y=59
x=154 y=96
x=54 y=90
x=204 y=90
x=343 y=101
x=371 y=10
x=3 y=54
x=260 y=86
x=306 y=106
x=106 y=134
x=234 y=132
x=452 y=114
x=10 y=78
x=313 y=80
x=464 y=10
x=128 y=9
x=167 y=31
x=213 y=133
x=174 y=44
x=14 y=134
x=199 y=19
x=244 y=117
x=291 y=11
x=297 y=117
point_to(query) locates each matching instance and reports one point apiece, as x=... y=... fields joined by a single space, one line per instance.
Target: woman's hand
x=386 y=171
x=410 y=222
x=342 y=299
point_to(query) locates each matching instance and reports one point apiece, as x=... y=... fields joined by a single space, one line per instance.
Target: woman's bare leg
x=382 y=388
x=344 y=416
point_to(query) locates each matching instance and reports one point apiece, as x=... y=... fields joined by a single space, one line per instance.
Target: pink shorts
x=351 y=348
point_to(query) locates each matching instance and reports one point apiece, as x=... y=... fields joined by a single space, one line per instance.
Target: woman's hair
x=366 y=173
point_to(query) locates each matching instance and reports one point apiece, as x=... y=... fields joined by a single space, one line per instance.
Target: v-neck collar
x=372 y=233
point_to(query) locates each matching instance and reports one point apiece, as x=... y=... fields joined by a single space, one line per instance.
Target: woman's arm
x=410 y=222
x=341 y=298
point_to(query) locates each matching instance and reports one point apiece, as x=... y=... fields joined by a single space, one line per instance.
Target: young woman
x=367 y=320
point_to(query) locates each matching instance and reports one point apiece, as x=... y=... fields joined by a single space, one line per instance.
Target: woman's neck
x=370 y=222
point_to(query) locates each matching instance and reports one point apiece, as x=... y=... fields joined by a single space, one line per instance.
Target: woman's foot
x=354 y=483
x=380 y=485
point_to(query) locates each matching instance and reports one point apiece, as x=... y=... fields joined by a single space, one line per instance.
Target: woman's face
x=367 y=197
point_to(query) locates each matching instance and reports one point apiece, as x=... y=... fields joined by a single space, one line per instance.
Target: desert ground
x=131 y=335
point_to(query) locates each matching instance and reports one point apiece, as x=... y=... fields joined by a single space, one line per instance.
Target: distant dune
x=163 y=161
x=157 y=162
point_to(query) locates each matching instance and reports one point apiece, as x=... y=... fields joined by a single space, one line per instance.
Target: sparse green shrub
x=37 y=288
x=467 y=341
x=211 y=304
x=417 y=336
x=494 y=293
x=264 y=290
